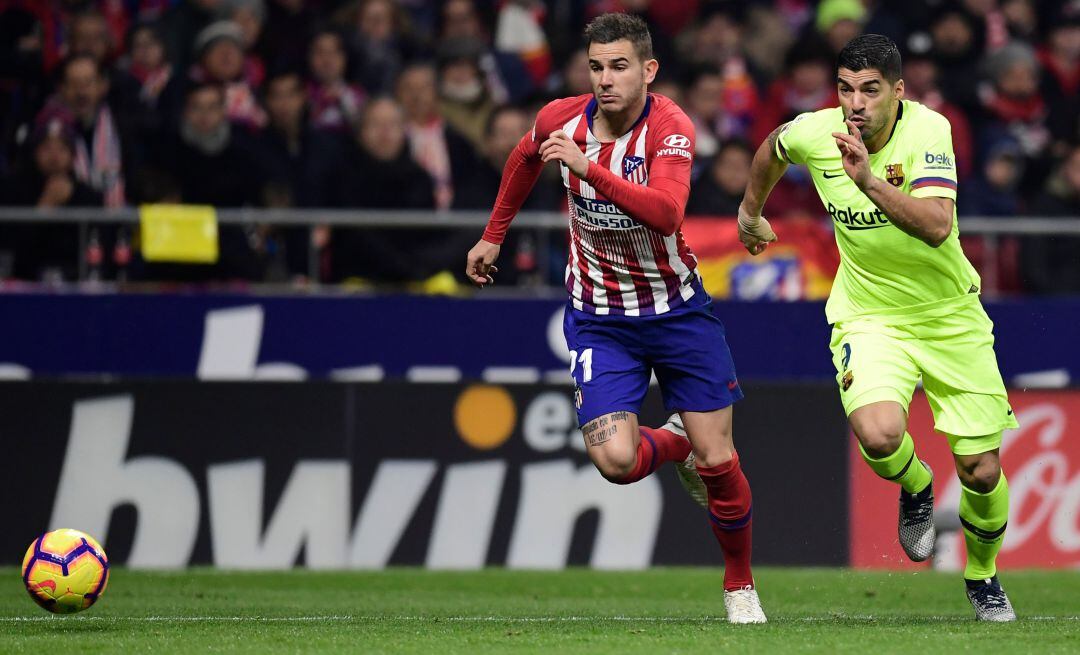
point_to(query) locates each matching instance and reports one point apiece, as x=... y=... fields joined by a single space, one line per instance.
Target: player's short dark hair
x=608 y=28
x=871 y=51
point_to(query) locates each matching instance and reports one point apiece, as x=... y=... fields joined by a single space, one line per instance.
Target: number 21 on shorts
x=585 y=359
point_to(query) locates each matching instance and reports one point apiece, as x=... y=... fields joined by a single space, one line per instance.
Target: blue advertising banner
x=421 y=338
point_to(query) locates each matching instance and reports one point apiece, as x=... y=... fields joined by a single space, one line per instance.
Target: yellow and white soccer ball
x=65 y=571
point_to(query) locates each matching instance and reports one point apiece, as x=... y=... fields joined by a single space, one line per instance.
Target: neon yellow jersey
x=883 y=270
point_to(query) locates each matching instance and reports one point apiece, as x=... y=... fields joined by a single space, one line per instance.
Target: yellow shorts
x=954 y=356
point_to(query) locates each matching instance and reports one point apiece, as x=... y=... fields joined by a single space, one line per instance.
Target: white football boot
x=686 y=469
x=744 y=606
x=990 y=601
x=916 y=522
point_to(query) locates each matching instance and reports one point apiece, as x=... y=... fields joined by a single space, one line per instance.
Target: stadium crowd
x=415 y=104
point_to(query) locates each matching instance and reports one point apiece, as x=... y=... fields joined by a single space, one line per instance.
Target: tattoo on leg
x=601 y=430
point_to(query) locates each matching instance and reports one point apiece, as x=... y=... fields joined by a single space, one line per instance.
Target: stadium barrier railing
x=547 y=226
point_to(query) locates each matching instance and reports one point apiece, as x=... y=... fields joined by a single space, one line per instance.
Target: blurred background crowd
x=415 y=104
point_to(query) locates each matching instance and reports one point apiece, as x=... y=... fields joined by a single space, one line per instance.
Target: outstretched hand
x=854 y=155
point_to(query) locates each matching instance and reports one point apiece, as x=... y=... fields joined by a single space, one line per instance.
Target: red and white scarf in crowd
x=100 y=166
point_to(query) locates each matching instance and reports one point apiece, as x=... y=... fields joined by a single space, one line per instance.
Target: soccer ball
x=65 y=571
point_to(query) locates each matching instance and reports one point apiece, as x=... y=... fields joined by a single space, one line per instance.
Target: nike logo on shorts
x=829 y=177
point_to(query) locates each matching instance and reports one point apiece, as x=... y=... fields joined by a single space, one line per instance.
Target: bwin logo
x=677 y=141
x=940 y=159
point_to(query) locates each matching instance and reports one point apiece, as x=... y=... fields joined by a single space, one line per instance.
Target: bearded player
x=905 y=302
x=637 y=305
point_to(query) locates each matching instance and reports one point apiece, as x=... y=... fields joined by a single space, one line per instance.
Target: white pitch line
x=488 y=619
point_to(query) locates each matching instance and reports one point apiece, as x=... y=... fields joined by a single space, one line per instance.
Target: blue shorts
x=614 y=357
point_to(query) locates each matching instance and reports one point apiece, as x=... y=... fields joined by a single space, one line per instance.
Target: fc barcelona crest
x=894 y=173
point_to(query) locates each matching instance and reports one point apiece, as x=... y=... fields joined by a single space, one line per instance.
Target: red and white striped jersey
x=627 y=255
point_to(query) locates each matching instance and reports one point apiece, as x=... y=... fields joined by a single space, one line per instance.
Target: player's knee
x=880 y=440
x=714 y=456
x=979 y=474
x=615 y=466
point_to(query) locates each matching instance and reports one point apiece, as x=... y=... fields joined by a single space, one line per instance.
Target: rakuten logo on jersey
x=855 y=219
x=676 y=144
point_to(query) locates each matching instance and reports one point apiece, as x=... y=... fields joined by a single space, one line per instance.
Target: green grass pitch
x=576 y=611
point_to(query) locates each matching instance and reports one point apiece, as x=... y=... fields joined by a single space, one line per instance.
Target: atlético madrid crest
x=633 y=170
x=894 y=173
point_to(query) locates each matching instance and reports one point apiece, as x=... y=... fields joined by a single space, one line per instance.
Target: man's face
x=382 y=130
x=1072 y=170
x=223 y=60
x=285 y=102
x=205 y=111
x=327 y=58
x=506 y=130
x=619 y=78
x=90 y=36
x=706 y=97
x=732 y=170
x=146 y=51
x=417 y=93
x=53 y=157
x=868 y=99
x=460 y=20
x=83 y=89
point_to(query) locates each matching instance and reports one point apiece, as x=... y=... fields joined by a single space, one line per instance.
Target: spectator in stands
x=380 y=174
x=99 y=158
x=215 y=164
x=995 y=190
x=89 y=35
x=222 y=61
x=840 y=21
x=335 y=103
x=286 y=33
x=705 y=107
x=1014 y=109
x=807 y=84
x=250 y=16
x=478 y=189
x=443 y=152
x=505 y=74
x=1060 y=85
x=520 y=38
x=149 y=91
x=299 y=163
x=294 y=155
x=718 y=43
x=182 y=24
x=921 y=85
x=957 y=48
x=379 y=43
x=720 y=191
x=1051 y=264
x=47 y=180
x=670 y=88
x=575 y=75
x=465 y=99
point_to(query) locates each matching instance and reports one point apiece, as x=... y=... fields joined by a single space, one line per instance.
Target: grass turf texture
x=661 y=610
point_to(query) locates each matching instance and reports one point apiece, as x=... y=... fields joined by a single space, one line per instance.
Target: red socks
x=656 y=447
x=731 y=516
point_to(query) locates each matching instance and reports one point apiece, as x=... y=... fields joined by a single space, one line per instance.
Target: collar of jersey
x=590 y=109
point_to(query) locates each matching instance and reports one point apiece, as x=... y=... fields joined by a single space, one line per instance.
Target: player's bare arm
x=755 y=233
x=927 y=219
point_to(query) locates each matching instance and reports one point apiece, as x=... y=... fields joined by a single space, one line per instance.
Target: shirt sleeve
x=793 y=143
x=661 y=205
x=933 y=164
x=520 y=173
